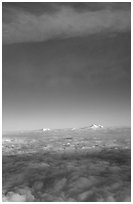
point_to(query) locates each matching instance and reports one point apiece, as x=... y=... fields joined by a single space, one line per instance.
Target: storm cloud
x=63 y=21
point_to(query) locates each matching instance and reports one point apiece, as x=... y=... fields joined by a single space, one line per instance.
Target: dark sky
x=66 y=65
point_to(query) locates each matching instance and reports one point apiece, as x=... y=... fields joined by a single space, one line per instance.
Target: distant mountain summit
x=45 y=129
x=94 y=126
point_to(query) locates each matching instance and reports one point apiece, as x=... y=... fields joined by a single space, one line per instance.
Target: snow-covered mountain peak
x=94 y=126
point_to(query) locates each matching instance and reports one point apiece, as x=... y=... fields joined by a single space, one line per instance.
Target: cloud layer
x=65 y=22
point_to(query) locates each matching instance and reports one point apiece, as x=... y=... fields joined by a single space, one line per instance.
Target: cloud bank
x=66 y=22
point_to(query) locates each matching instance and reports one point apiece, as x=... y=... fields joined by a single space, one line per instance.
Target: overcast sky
x=66 y=65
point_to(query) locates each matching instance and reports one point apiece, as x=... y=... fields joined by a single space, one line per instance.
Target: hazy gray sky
x=66 y=64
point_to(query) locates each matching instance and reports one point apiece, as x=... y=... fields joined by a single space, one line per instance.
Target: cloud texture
x=65 y=22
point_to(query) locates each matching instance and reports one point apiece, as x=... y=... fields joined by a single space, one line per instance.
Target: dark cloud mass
x=23 y=22
x=39 y=8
